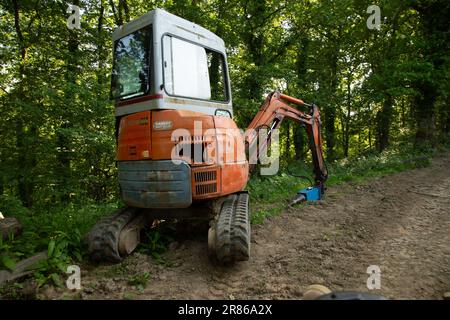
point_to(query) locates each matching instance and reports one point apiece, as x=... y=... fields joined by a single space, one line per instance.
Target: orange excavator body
x=219 y=171
x=216 y=156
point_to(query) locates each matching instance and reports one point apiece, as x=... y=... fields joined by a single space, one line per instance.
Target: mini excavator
x=179 y=152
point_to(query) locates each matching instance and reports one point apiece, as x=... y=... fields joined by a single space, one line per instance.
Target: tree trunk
x=347 y=120
x=425 y=115
x=63 y=139
x=330 y=109
x=384 y=119
x=254 y=39
x=101 y=53
x=301 y=64
x=447 y=124
x=433 y=17
x=124 y=5
x=25 y=158
x=330 y=117
x=288 y=141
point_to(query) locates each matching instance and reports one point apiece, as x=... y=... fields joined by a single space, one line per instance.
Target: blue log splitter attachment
x=313 y=193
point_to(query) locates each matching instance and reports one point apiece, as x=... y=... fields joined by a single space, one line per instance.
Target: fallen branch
x=23 y=268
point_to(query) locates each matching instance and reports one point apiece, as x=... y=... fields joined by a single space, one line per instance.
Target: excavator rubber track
x=229 y=236
x=103 y=239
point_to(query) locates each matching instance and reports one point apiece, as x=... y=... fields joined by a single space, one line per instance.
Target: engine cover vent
x=202 y=189
x=205 y=182
x=204 y=176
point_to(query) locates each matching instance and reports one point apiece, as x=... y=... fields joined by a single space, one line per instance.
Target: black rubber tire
x=233 y=230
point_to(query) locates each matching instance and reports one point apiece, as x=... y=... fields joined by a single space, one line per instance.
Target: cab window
x=131 y=65
x=193 y=71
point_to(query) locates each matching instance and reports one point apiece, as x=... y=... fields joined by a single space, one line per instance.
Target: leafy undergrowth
x=139 y=281
x=269 y=195
x=156 y=241
x=58 y=231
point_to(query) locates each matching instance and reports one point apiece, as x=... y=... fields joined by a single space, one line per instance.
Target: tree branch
x=16 y=22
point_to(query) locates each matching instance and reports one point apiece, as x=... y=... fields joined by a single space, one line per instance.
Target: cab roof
x=163 y=17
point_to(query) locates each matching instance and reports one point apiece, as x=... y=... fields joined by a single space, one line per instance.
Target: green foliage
x=7 y=262
x=139 y=281
x=6 y=254
x=13 y=291
x=59 y=232
x=10 y=205
x=389 y=161
x=258 y=216
x=62 y=250
x=156 y=242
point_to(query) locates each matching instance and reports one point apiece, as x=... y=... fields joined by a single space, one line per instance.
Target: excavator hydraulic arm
x=273 y=111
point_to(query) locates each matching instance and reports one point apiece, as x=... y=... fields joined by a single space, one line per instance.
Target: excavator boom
x=273 y=111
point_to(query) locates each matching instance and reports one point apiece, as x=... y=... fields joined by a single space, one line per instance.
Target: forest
x=383 y=94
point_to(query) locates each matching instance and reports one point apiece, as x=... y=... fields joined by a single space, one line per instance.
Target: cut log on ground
x=10 y=226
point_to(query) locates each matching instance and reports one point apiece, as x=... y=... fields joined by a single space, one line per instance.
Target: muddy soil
x=399 y=222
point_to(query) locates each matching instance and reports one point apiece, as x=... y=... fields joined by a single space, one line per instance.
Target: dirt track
x=399 y=222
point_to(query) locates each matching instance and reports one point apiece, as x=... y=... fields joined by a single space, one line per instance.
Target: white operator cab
x=162 y=61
